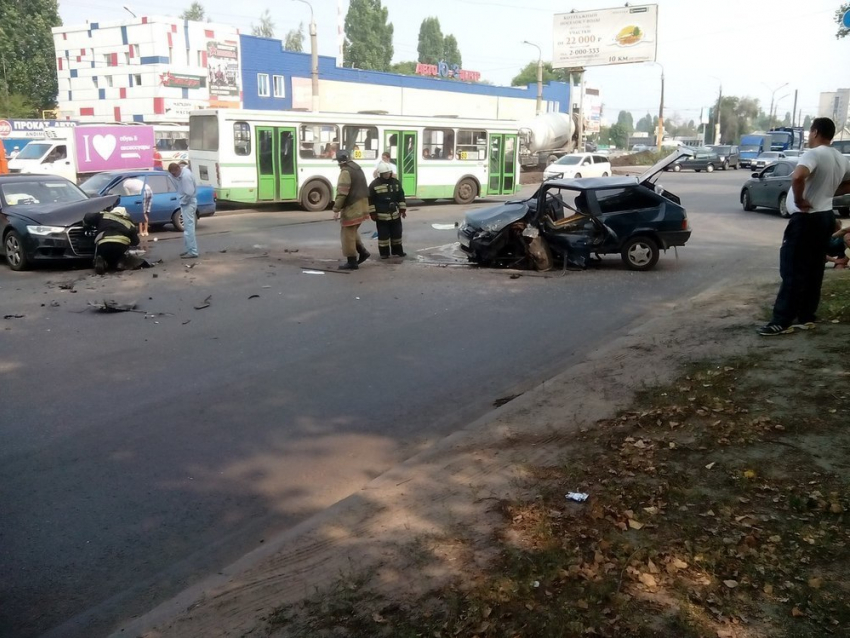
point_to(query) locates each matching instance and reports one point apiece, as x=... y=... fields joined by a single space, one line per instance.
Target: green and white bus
x=263 y=156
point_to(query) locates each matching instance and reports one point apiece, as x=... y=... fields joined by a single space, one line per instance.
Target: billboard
x=104 y=148
x=223 y=65
x=622 y=35
x=30 y=129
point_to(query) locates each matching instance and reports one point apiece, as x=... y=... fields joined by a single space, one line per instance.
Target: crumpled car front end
x=485 y=235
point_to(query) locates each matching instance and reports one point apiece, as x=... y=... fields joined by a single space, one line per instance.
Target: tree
x=27 y=55
x=266 y=27
x=451 y=52
x=625 y=120
x=618 y=134
x=195 y=12
x=528 y=75
x=645 y=124
x=15 y=105
x=807 y=122
x=431 y=43
x=368 y=36
x=294 y=40
x=404 y=68
x=843 y=31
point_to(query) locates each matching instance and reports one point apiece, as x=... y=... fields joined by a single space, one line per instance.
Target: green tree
x=266 y=27
x=368 y=36
x=528 y=75
x=625 y=119
x=839 y=17
x=451 y=52
x=431 y=42
x=618 y=135
x=27 y=56
x=195 y=12
x=294 y=40
x=807 y=122
x=15 y=105
x=645 y=124
x=404 y=68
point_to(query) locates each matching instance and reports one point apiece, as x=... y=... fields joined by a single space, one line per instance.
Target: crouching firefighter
x=387 y=208
x=351 y=207
x=115 y=234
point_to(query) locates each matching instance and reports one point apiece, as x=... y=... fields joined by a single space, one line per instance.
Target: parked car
x=578 y=165
x=41 y=219
x=730 y=156
x=165 y=204
x=767 y=158
x=567 y=220
x=769 y=187
x=703 y=159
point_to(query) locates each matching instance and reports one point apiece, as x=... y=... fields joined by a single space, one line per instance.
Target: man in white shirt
x=821 y=173
x=385 y=159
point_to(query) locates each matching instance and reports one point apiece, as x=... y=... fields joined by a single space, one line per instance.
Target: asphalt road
x=140 y=452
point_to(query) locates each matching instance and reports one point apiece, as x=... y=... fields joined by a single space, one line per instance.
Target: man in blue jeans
x=187 y=191
x=821 y=173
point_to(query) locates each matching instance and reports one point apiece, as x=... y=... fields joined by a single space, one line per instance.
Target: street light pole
x=314 y=58
x=539 y=75
x=659 y=137
x=772 y=95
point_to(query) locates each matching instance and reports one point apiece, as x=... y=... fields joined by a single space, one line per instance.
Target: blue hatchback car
x=165 y=205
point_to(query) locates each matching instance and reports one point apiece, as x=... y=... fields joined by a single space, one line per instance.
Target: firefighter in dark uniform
x=387 y=207
x=351 y=207
x=116 y=232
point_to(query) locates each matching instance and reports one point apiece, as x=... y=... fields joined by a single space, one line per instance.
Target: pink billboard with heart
x=107 y=148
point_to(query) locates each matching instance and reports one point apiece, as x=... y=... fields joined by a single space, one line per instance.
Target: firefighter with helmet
x=116 y=232
x=387 y=208
x=351 y=208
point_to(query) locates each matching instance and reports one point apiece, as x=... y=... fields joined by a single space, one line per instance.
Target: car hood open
x=62 y=214
x=495 y=218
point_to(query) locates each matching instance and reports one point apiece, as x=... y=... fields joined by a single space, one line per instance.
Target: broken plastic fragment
x=578 y=497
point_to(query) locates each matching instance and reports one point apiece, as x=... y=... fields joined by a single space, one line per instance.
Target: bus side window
x=438 y=143
x=361 y=141
x=318 y=141
x=241 y=138
x=471 y=145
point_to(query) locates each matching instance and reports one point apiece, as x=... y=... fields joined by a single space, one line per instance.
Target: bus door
x=502 y=166
x=402 y=147
x=276 y=164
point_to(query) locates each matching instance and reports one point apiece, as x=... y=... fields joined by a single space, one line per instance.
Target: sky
x=749 y=46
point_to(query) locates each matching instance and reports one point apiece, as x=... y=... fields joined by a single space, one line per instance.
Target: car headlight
x=45 y=230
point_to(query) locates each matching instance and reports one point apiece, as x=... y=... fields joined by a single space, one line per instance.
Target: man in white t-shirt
x=821 y=173
x=385 y=159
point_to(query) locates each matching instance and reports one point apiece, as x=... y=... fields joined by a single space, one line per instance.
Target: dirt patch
x=717 y=505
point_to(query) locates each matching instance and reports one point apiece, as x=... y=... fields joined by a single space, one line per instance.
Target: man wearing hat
x=387 y=207
x=351 y=207
x=116 y=232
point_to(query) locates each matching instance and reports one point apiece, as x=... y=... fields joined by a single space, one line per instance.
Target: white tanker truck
x=546 y=138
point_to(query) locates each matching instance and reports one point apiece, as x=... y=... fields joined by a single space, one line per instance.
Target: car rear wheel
x=315 y=196
x=640 y=253
x=676 y=168
x=466 y=191
x=16 y=255
x=709 y=168
x=746 y=202
x=783 y=206
x=177 y=220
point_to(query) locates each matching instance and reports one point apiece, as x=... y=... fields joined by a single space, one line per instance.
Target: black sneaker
x=773 y=329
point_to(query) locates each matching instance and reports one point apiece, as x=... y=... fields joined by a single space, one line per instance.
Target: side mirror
x=756 y=175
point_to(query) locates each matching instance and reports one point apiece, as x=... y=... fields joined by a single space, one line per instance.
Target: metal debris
x=205 y=304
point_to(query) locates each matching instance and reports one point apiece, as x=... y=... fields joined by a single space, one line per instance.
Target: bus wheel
x=465 y=191
x=315 y=196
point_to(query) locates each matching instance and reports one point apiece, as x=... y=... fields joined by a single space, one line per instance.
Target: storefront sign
x=180 y=80
x=608 y=36
x=446 y=70
x=182 y=108
x=30 y=129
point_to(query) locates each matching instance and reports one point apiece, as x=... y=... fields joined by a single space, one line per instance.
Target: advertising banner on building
x=104 y=148
x=224 y=82
x=30 y=129
x=179 y=110
x=622 y=35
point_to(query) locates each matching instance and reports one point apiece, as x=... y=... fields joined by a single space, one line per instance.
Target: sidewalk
x=718 y=487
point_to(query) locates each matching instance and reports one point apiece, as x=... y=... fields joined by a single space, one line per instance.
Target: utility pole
x=660 y=133
x=314 y=58
x=794 y=110
x=539 y=75
x=717 y=116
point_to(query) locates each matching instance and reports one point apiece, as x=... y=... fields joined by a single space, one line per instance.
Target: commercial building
x=148 y=69
x=834 y=104
x=155 y=69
